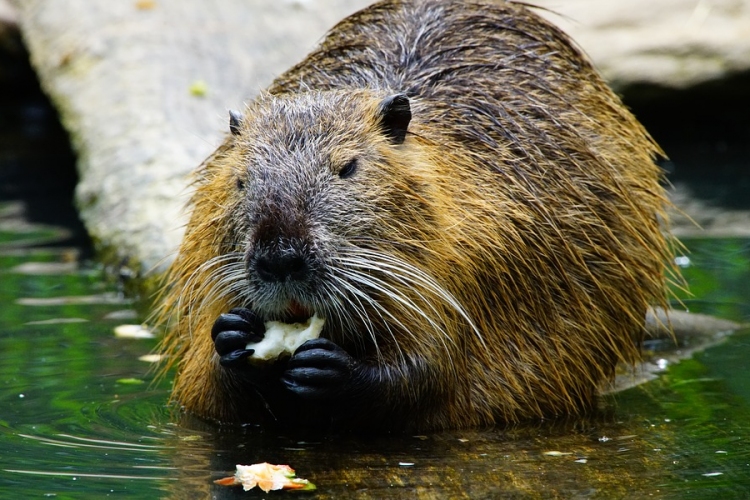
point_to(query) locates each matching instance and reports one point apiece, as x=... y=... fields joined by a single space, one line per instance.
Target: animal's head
x=326 y=200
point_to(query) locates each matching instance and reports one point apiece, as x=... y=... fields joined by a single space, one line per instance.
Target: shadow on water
x=83 y=417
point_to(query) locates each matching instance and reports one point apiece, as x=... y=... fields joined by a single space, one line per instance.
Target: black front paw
x=320 y=370
x=232 y=332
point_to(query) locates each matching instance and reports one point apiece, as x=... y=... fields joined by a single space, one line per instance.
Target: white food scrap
x=283 y=338
x=267 y=477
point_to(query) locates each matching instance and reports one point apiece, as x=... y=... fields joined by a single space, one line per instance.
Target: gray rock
x=144 y=86
x=674 y=43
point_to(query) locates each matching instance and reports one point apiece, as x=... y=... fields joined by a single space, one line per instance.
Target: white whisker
x=379 y=309
x=407 y=274
x=347 y=322
x=388 y=290
x=215 y=279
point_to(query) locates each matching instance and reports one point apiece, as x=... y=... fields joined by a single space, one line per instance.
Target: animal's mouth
x=299 y=312
x=294 y=312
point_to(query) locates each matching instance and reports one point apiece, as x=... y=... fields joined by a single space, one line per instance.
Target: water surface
x=83 y=417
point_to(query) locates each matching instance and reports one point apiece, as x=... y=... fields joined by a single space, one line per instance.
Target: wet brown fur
x=524 y=188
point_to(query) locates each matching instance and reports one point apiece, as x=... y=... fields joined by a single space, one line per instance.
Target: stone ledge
x=143 y=87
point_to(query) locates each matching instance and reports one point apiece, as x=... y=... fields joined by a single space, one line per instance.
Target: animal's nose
x=278 y=268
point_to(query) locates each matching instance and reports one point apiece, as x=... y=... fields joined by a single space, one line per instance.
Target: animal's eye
x=240 y=184
x=348 y=169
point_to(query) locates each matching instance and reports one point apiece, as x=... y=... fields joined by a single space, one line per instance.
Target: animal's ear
x=235 y=121
x=395 y=114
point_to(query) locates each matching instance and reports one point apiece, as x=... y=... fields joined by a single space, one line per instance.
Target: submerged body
x=453 y=188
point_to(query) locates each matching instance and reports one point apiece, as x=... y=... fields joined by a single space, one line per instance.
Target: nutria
x=456 y=191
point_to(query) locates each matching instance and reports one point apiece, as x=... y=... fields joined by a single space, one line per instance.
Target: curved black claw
x=232 y=332
x=318 y=370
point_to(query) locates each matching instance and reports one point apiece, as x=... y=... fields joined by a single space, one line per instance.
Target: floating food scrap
x=267 y=477
x=555 y=453
x=133 y=332
x=151 y=358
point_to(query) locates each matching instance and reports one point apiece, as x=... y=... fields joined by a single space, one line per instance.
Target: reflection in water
x=76 y=442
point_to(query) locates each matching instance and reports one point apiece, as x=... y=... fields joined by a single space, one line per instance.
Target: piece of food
x=267 y=477
x=283 y=338
x=133 y=332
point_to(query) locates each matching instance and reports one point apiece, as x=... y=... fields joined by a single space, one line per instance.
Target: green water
x=81 y=415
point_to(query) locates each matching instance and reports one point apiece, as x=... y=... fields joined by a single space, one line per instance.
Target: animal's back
x=538 y=214
x=567 y=242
